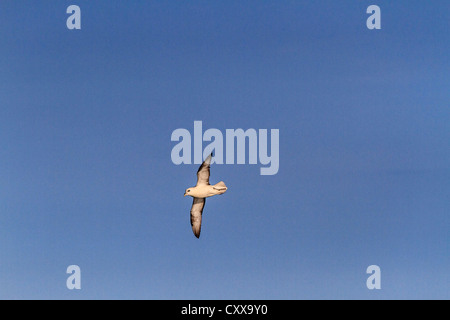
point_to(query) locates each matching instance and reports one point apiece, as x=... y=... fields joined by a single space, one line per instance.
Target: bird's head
x=187 y=192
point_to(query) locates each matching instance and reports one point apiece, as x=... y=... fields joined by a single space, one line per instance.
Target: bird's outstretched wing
x=196 y=215
x=203 y=172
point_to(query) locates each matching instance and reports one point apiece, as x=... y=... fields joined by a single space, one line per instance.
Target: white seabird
x=200 y=192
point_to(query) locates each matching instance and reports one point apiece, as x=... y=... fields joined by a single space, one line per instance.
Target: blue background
x=86 y=176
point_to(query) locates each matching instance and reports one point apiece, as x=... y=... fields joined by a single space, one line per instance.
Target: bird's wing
x=196 y=215
x=203 y=172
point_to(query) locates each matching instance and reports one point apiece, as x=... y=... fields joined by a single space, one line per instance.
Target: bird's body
x=206 y=191
x=200 y=192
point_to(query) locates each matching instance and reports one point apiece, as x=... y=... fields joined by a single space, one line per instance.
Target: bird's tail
x=220 y=187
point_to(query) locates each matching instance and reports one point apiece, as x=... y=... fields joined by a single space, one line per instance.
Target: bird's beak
x=184 y=194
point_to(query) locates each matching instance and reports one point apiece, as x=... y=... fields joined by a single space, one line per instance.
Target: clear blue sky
x=86 y=176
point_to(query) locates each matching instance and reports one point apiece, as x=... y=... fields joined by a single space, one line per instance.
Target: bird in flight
x=200 y=192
